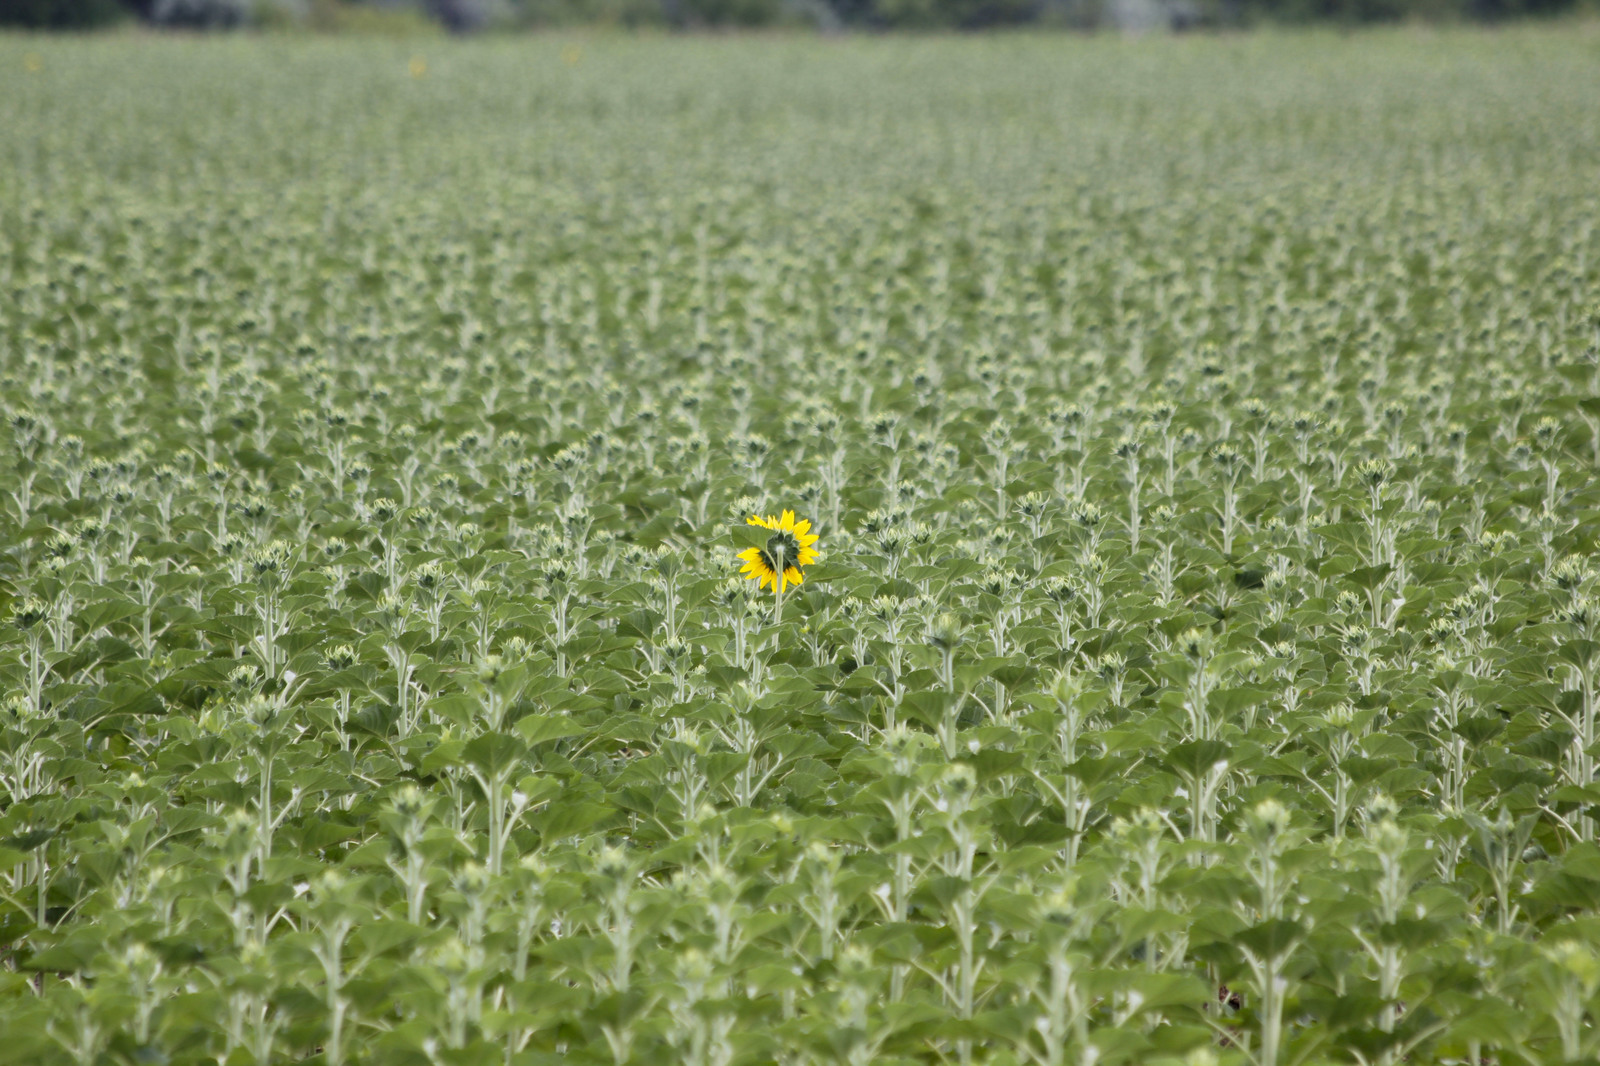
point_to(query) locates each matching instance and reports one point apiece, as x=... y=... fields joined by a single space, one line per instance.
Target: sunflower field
x=771 y=551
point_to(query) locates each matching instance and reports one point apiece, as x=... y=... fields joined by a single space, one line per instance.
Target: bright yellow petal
x=802 y=527
x=793 y=576
x=787 y=521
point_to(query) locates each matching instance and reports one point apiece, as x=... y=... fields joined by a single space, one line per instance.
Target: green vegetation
x=1202 y=664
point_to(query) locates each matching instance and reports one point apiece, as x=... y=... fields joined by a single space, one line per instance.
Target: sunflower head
x=780 y=562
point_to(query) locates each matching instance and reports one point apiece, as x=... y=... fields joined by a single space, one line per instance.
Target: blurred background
x=828 y=16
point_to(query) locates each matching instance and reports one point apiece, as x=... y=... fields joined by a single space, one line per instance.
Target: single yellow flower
x=787 y=553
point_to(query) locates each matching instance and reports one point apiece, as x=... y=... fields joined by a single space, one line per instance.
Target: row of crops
x=1199 y=665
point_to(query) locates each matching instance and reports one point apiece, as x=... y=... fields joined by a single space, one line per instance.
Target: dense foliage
x=1202 y=665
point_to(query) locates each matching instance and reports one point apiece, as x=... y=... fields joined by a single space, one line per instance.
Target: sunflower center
x=782 y=551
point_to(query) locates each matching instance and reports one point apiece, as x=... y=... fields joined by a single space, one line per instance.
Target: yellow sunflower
x=787 y=553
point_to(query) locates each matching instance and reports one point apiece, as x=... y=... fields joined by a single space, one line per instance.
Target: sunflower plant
x=780 y=560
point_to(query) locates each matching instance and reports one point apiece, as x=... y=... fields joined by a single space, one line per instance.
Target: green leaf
x=542 y=728
x=1273 y=938
x=1195 y=758
x=494 y=754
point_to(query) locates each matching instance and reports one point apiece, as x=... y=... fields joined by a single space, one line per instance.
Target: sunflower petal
x=758 y=566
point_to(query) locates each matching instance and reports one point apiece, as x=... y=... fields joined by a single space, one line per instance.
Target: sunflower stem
x=777 y=584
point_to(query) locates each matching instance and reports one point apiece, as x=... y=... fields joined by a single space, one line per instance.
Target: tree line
x=825 y=15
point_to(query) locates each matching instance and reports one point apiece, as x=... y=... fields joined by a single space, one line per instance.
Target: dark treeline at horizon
x=825 y=15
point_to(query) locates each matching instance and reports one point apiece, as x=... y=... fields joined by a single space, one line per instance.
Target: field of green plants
x=1200 y=663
